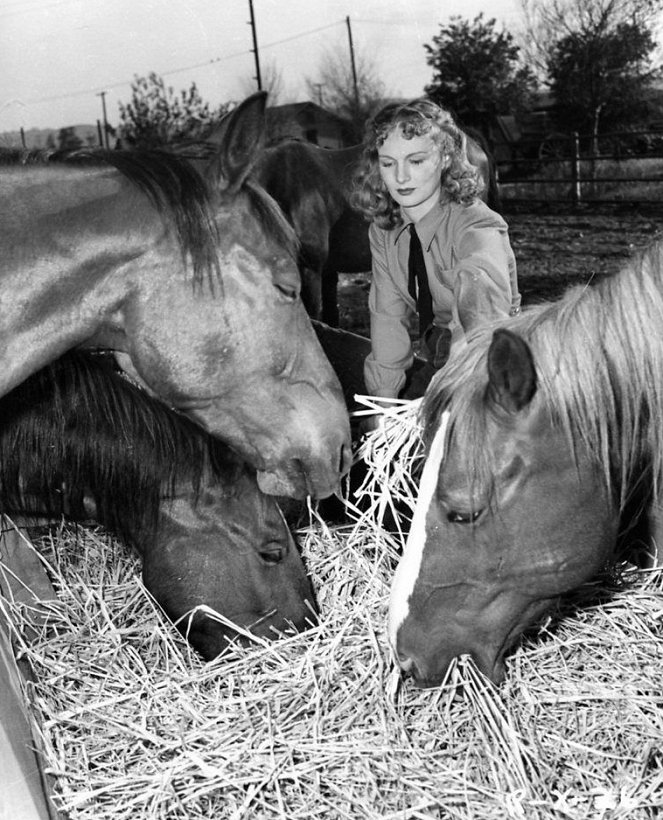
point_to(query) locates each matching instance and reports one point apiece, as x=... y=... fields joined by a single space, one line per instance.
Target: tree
x=596 y=56
x=334 y=89
x=477 y=71
x=68 y=140
x=599 y=80
x=157 y=116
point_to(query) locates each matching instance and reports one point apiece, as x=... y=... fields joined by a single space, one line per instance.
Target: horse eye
x=272 y=553
x=290 y=292
x=286 y=280
x=455 y=517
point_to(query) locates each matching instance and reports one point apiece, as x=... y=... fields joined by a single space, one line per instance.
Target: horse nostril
x=405 y=663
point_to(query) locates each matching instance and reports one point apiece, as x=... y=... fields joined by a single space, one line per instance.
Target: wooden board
x=24 y=793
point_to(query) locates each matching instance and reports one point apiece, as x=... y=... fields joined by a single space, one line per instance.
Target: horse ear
x=240 y=138
x=511 y=372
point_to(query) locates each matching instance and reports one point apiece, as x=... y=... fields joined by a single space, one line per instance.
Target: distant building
x=307 y=121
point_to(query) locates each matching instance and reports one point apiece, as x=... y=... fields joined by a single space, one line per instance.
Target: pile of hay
x=320 y=725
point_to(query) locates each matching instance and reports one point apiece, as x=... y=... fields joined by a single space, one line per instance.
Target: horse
x=544 y=451
x=78 y=439
x=313 y=186
x=188 y=269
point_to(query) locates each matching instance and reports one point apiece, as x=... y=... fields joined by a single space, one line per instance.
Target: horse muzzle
x=301 y=477
x=427 y=675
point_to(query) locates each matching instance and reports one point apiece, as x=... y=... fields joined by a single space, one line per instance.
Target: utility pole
x=102 y=94
x=352 y=63
x=255 y=46
x=318 y=87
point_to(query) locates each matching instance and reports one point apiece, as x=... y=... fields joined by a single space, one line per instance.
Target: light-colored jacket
x=472 y=275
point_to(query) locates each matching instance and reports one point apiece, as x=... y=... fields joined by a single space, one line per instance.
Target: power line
x=211 y=61
x=31 y=9
x=304 y=34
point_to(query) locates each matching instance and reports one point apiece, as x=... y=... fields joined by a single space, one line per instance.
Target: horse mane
x=174 y=185
x=79 y=424
x=599 y=369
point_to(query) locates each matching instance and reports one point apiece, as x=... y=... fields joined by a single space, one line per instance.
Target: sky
x=57 y=56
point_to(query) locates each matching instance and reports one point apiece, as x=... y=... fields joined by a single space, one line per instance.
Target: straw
x=393 y=454
x=320 y=724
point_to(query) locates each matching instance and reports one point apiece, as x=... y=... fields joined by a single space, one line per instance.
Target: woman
x=414 y=182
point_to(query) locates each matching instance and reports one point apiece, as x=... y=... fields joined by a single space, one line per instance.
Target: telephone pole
x=352 y=63
x=102 y=94
x=255 y=46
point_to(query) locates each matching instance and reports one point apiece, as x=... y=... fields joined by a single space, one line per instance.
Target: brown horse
x=545 y=438
x=190 y=273
x=312 y=185
x=78 y=439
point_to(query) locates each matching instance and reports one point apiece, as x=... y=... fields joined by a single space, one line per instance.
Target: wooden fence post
x=576 y=193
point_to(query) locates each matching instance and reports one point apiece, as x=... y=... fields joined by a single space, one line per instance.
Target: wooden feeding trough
x=25 y=792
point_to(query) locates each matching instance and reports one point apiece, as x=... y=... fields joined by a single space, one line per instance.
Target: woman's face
x=412 y=170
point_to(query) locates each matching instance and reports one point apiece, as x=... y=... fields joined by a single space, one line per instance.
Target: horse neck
x=66 y=249
x=343 y=162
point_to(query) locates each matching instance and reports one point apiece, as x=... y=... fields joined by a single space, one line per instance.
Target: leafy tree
x=334 y=89
x=546 y=22
x=477 y=71
x=596 y=56
x=157 y=116
x=600 y=79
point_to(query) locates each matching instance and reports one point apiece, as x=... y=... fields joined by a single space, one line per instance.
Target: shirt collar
x=426 y=227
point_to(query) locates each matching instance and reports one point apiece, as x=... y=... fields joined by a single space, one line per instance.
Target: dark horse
x=189 y=271
x=545 y=436
x=312 y=185
x=78 y=439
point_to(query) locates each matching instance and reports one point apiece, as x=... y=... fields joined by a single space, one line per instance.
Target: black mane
x=78 y=424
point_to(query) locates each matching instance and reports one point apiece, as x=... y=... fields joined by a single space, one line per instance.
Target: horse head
x=248 y=368
x=225 y=567
x=192 y=275
x=509 y=517
x=78 y=439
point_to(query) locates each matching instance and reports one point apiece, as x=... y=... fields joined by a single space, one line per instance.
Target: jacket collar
x=426 y=227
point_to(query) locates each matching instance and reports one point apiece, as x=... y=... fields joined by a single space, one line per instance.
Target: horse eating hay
x=77 y=438
x=189 y=270
x=545 y=435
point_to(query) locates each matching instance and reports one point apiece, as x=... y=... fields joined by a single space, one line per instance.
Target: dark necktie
x=418 y=282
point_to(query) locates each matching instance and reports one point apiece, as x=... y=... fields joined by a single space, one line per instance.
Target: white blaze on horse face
x=410 y=564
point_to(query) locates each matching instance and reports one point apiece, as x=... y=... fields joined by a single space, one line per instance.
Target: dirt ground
x=555 y=247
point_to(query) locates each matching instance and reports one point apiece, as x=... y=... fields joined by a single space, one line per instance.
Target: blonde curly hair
x=461 y=181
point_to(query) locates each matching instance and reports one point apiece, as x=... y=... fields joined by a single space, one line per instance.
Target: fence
x=615 y=167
